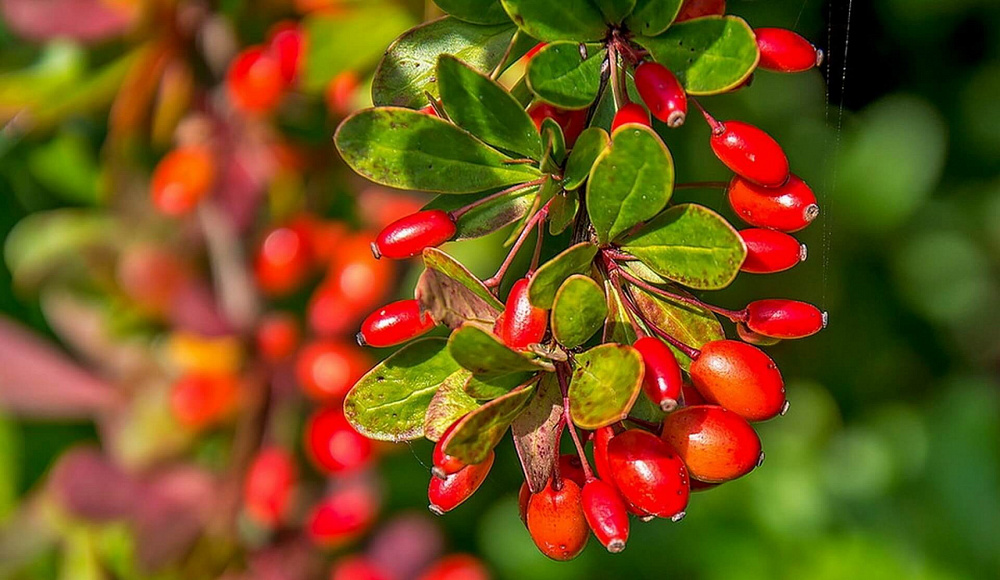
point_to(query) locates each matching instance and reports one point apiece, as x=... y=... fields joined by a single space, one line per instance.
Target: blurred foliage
x=888 y=463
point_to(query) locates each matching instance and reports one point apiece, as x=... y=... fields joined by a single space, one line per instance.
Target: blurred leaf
x=535 y=433
x=475 y=11
x=10 y=466
x=560 y=75
x=57 y=241
x=60 y=68
x=66 y=166
x=578 y=311
x=605 y=383
x=82 y=20
x=80 y=480
x=79 y=557
x=546 y=280
x=651 y=17
x=549 y=20
x=481 y=430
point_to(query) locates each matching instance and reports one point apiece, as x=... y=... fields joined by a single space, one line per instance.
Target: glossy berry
x=446 y=494
x=523 y=496
x=691 y=396
x=341 y=91
x=749 y=152
x=662 y=380
x=201 y=400
x=355 y=567
x=630 y=113
x=523 y=324
x=740 y=377
x=556 y=521
x=287 y=46
x=255 y=82
x=716 y=445
x=326 y=369
x=662 y=93
x=182 y=179
x=785 y=51
x=270 y=482
x=394 y=323
x=278 y=336
x=284 y=259
x=606 y=514
x=444 y=464
x=698 y=8
x=649 y=474
x=570 y=467
x=342 y=516
x=408 y=236
x=456 y=567
x=789 y=207
x=602 y=437
x=784 y=318
x=333 y=445
x=770 y=251
x=572 y=122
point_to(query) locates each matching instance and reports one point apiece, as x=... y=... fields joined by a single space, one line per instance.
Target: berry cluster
x=554 y=155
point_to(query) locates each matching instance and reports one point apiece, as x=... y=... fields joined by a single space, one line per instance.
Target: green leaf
x=651 y=17
x=536 y=431
x=579 y=311
x=555 y=145
x=605 y=383
x=562 y=212
x=365 y=29
x=615 y=10
x=589 y=145
x=489 y=216
x=451 y=294
x=407 y=70
x=410 y=150
x=449 y=404
x=481 y=430
x=692 y=325
x=550 y=20
x=491 y=386
x=547 y=279
x=478 y=350
x=709 y=55
x=691 y=245
x=618 y=327
x=482 y=107
x=558 y=74
x=630 y=182
x=67 y=167
x=390 y=402
x=475 y=11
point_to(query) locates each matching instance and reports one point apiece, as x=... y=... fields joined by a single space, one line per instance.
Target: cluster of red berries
x=260 y=75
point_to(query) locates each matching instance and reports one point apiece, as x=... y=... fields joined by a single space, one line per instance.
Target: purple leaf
x=82 y=479
x=175 y=505
x=82 y=20
x=406 y=545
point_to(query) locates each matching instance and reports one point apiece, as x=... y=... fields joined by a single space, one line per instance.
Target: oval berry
x=630 y=113
x=788 y=208
x=444 y=464
x=277 y=336
x=698 y=8
x=181 y=179
x=523 y=496
x=327 y=369
x=770 y=251
x=408 y=236
x=716 y=445
x=269 y=484
x=254 y=81
x=355 y=567
x=394 y=324
x=284 y=260
x=739 y=377
x=662 y=380
x=602 y=437
x=286 y=45
x=200 y=400
x=341 y=92
x=784 y=318
x=691 y=396
x=570 y=467
x=649 y=474
x=662 y=93
x=556 y=521
x=447 y=494
x=749 y=152
x=342 y=516
x=572 y=122
x=523 y=324
x=606 y=514
x=332 y=443
x=456 y=567
x=782 y=50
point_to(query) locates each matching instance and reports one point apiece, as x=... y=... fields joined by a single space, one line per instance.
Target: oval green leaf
x=709 y=55
x=449 y=404
x=579 y=311
x=562 y=212
x=560 y=75
x=555 y=145
x=535 y=432
x=630 y=182
x=480 y=351
x=481 y=430
x=550 y=20
x=475 y=11
x=615 y=10
x=692 y=325
x=691 y=245
x=588 y=147
x=651 y=17
x=407 y=149
x=547 y=279
x=618 y=327
x=390 y=402
x=605 y=383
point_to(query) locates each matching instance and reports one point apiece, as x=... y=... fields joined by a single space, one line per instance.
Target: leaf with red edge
x=536 y=432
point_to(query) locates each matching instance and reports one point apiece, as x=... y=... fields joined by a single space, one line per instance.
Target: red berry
x=200 y=400
x=662 y=380
x=740 y=377
x=444 y=464
x=697 y=485
x=341 y=91
x=749 y=152
x=785 y=51
x=691 y=396
x=284 y=259
x=355 y=567
x=355 y=283
x=770 y=251
x=630 y=113
x=698 y=8
x=394 y=324
x=333 y=445
x=456 y=567
x=523 y=496
x=326 y=369
x=716 y=445
x=268 y=489
x=448 y=493
x=523 y=324
x=181 y=179
x=662 y=93
x=784 y=318
x=606 y=514
x=572 y=122
x=342 y=516
x=254 y=81
x=277 y=336
x=570 y=467
x=409 y=236
x=556 y=521
x=286 y=45
x=788 y=208
x=649 y=474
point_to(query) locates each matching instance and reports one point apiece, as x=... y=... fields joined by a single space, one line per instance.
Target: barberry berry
x=394 y=323
x=556 y=520
x=698 y=8
x=408 y=236
x=182 y=179
x=523 y=324
x=333 y=445
x=327 y=368
x=255 y=82
x=286 y=43
x=782 y=50
x=284 y=260
x=269 y=486
x=277 y=336
x=662 y=93
x=662 y=380
x=447 y=494
x=649 y=474
x=573 y=122
x=749 y=152
x=342 y=516
x=789 y=207
x=716 y=445
x=784 y=318
x=770 y=251
x=606 y=514
x=739 y=377
x=630 y=113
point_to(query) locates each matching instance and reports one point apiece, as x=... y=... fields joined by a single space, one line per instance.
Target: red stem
x=690 y=352
x=718 y=128
x=561 y=375
x=497 y=278
x=733 y=315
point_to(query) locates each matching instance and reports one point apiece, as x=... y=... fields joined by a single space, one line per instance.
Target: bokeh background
x=888 y=462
